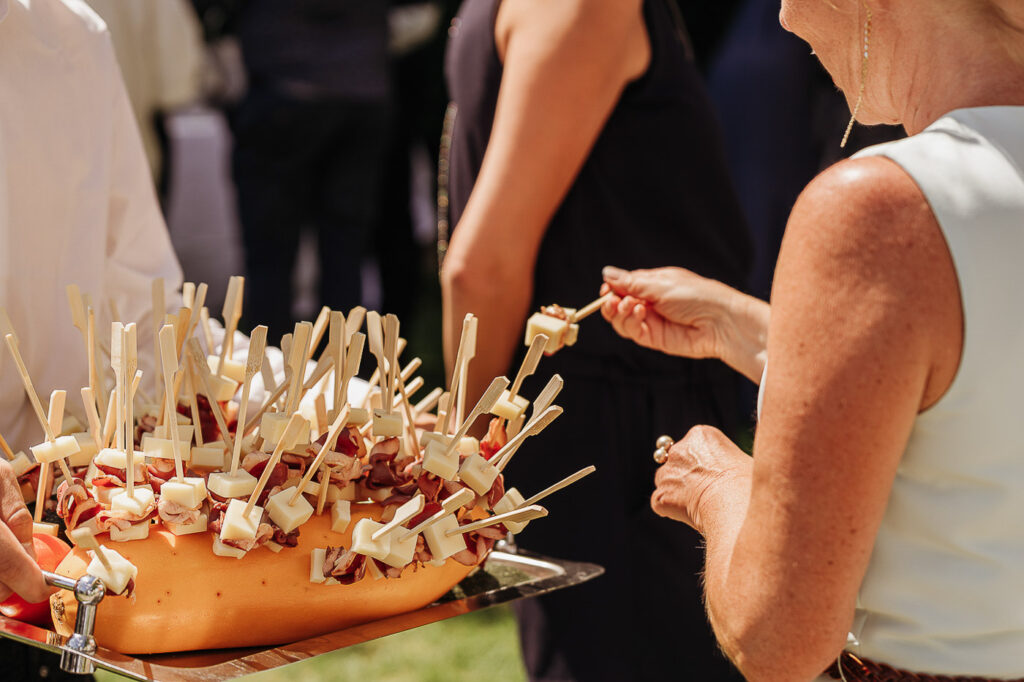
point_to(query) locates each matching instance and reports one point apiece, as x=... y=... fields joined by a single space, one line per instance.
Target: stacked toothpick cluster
x=206 y=458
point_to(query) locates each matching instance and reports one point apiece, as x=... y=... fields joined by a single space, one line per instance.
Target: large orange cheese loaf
x=187 y=598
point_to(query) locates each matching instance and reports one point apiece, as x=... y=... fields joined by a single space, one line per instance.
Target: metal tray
x=504 y=578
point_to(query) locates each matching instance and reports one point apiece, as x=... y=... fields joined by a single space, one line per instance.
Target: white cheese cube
x=316 y=565
x=373 y=570
x=378 y=495
x=45 y=528
x=47 y=452
x=136 y=531
x=341 y=516
x=232 y=369
x=190 y=493
x=441 y=545
x=162 y=448
x=402 y=551
x=478 y=474
x=427 y=436
x=510 y=501
x=273 y=546
x=358 y=416
x=220 y=549
x=198 y=526
x=207 y=457
x=335 y=492
x=468 y=446
x=185 y=433
x=70 y=425
x=572 y=334
x=86 y=450
x=21 y=463
x=237 y=526
x=117 y=459
x=136 y=505
x=387 y=425
x=272 y=427
x=363 y=543
x=436 y=462
x=288 y=516
x=552 y=327
x=223 y=388
x=224 y=484
x=508 y=407
x=82 y=537
x=121 y=570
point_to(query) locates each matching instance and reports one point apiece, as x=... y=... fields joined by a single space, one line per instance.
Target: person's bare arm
x=866 y=331
x=565 y=65
x=18 y=570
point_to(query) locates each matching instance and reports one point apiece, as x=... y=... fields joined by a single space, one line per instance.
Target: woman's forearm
x=745 y=328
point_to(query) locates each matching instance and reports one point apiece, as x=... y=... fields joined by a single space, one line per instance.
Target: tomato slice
x=50 y=551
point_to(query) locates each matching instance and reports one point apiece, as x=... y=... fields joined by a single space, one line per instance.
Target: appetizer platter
x=262 y=508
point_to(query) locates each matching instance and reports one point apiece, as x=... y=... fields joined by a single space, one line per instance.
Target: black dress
x=654 y=191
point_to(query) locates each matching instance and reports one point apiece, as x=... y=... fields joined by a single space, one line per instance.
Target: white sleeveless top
x=944 y=590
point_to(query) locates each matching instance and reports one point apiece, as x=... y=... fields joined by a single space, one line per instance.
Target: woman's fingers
x=18 y=569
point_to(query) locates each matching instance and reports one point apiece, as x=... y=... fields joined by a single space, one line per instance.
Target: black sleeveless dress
x=654 y=191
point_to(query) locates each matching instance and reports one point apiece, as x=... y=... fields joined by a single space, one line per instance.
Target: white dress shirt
x=76 y=202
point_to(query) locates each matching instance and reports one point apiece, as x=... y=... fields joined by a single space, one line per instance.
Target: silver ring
x=664 y=443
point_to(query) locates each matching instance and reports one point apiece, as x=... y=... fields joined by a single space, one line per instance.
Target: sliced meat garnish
x=496 y=492
x=429 y=509
x=380 y=471
x=478 y=547
x=252 y=459
x=495 y=439
x=430 y=485
x=172 y=512
x=263 y=533
x=344 y=565
x=422 y=553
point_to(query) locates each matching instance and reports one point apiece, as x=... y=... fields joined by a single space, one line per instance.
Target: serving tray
x=506 y=577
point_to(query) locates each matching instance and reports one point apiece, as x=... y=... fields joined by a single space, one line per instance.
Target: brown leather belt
x=857 y=669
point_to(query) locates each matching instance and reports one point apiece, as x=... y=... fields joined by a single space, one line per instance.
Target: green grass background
x=477 y=646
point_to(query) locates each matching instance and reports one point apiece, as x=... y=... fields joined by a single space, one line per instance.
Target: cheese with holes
x=236 y=525
x=120 y=572
x=317 y=557
x=272 y=427
x=21 y=463
x=478 y=474
x=442 y=545
x=341 y=516
x=136 y=504
x=288 y=516
x=86 y=450
x=220 y=549
x=510 y=501
x=189 y=493
x=440 y=464
x=386 y=425
x=47 y=452
x=233 y=369
x=508 y=407
x=225 y=485
x=198 y=526
x=136 y=531
x=363 y=542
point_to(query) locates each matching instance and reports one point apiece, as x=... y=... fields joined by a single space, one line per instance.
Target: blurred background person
x=159 y=49
x=309 y=142
x=581 y=136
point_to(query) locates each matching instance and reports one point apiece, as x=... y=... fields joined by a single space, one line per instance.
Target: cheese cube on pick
x=198 y=526
x=236 y=525
x=442 y=545
x=468 y=446
x=224 y=484
x=436 y=462
x=232 y=369
x=162 y=448
x=288 y=516
x=45 y=529
x=387 y=425
x=510 y=501
x=508 y=407
x=185 y=433
x=70 y=425
x=121 y=570
x=21 y=463
x=572 y=334
x=363 y=543
x=552 y=327
x=358 y=416
x=208 y=457
x=223 y=388
x=272 y=427
x=316 y=565
x=373 y=569
x=220 y=549
x=136 y=531
x=136 y=505
x=47 y=452
x=402 y=551
x=336 y=492
x=478 y=474
x=190 y=493
x=341 y=516
x=86 y=450
x=117 y=459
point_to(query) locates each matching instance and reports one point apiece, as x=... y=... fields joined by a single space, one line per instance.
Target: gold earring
x=863 y=78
